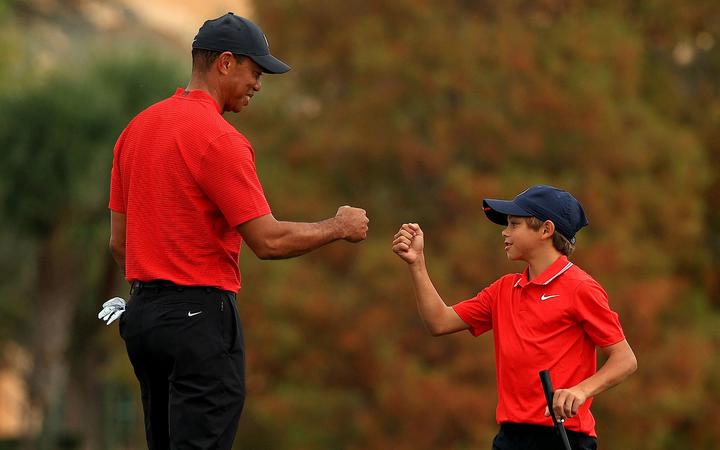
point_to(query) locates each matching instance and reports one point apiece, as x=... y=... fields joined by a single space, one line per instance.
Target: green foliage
x=57 y=135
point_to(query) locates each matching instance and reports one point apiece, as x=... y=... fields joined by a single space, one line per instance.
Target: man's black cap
x=231 y=33
x=543 y=202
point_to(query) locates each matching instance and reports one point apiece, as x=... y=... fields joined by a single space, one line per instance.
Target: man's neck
x=539 y=262
x=199 y=83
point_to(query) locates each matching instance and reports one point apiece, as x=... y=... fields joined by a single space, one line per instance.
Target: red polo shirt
x=553 y=322
x=185 y=178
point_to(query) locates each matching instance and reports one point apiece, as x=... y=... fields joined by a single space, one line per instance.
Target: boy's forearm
x=429 y=303
x=620 y=364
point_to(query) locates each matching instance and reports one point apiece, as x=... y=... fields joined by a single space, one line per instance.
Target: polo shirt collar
x=198 y=95
x=556 y=269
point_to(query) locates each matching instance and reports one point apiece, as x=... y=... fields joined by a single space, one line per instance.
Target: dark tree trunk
x=58 y=291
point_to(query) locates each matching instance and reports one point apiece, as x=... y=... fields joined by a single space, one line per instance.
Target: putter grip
x=548 y=389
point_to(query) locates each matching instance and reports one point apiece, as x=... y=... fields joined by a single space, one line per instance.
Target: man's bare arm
x=117 y=238
x=269 y=238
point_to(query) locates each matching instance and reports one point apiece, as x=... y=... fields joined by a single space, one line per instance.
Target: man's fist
x=353 y=222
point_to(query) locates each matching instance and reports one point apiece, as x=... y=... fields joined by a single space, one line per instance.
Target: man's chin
x=234 y=109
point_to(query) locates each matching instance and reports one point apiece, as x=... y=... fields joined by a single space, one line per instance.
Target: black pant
x=520 y=436
x=186 y=346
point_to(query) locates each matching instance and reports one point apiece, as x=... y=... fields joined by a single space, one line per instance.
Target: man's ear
x=224 y=62
x=548 y=229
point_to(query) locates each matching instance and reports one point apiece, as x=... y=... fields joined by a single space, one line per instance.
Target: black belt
x=157 y=285
x=525 y=428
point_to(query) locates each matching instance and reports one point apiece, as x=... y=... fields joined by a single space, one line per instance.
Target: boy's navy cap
x=231 y=33
x=543 y=202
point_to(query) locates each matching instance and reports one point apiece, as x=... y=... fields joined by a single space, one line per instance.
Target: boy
x=551 y=316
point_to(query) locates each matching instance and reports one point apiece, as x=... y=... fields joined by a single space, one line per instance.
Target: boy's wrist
x=418 y=265
x=584 y=389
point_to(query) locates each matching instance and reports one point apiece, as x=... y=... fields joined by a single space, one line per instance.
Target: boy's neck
x=539 y=262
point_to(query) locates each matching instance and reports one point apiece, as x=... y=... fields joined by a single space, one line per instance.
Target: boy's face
x=521 y=241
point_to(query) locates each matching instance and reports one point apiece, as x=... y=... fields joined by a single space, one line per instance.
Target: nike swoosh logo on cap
x=190 y=314
x=548 y=297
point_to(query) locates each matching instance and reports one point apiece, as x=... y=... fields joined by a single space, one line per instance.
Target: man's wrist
x=337 y=228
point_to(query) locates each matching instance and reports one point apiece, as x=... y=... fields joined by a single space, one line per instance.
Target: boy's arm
x=620 y=364
x=439 y=318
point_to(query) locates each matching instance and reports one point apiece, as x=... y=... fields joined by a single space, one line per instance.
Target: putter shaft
x=549 y=393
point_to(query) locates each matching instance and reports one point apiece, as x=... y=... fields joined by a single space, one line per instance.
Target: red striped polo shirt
x=185 y=178
x=554 y=322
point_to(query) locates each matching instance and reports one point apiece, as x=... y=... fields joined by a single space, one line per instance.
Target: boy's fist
x=408 y=243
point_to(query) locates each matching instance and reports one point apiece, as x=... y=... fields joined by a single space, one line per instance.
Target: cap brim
x=270 y=64
x=498 y=210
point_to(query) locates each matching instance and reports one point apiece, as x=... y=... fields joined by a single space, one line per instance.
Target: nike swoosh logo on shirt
x=190 y=314
x=547 y=297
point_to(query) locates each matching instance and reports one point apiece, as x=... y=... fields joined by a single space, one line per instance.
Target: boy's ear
x=548 y=229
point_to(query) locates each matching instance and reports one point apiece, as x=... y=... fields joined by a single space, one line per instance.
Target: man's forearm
x=119 y=256
x=118 y=238
x=272 y=239
x=297 y=238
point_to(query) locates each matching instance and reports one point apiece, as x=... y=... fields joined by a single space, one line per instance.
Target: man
x=184 y=195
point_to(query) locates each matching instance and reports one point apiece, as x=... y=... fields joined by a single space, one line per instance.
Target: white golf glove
x=112 y=310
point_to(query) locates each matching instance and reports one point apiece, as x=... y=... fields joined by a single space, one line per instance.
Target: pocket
x=178 y=309
x=179 y=303
x=232 y=332
x=585 y=442
x=121 y=324
x=500 y=442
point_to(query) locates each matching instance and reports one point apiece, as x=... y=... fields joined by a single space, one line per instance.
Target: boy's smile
x=521 y=241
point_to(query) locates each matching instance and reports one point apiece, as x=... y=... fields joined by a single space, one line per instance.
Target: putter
x=549 y=392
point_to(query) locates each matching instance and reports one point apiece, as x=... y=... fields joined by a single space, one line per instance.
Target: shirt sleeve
x=228 y=177
x=593 y=311
x=477 y=311
x=117 y=197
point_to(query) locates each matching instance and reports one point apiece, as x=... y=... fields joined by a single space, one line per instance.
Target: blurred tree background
x=414 y=110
